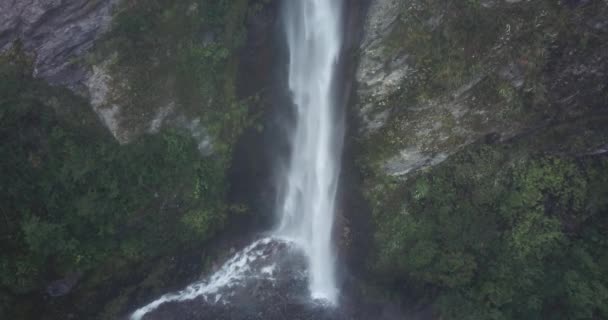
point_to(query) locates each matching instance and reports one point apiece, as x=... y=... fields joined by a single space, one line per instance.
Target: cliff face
x=60 y=36
x=483 y=126
x=482 y=142
x=435 y=77
x=57 y=33
x=81 y=46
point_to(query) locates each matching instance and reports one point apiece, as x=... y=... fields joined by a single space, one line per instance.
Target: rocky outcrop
x=58 y=33
x=434 y=76
x=378 y=75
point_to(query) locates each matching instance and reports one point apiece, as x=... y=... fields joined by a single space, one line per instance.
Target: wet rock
x=269 y=281
x=260 y=280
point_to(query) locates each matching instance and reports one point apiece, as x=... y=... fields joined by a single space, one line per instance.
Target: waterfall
x=307 y=203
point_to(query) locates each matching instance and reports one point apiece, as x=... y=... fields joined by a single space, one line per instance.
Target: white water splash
x=308 y=204
x=231 y=274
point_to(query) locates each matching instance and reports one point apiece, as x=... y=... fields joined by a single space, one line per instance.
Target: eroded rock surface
x=58 y=33
x=61 y=36
x=436 y=77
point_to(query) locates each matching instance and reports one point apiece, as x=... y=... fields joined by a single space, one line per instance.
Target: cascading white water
x=307 y=204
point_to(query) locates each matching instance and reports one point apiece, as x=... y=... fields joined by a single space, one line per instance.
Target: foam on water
x=235 y=270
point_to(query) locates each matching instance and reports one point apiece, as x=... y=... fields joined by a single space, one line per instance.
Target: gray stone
x=58 y=33
x=482 y=104
x=411 y=159
x=378 y=74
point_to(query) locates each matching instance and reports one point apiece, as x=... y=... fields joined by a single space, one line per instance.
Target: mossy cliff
x=112 y=191
x=481 y=145
x=482 y=150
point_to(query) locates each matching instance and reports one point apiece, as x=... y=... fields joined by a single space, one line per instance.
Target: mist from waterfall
x=307 y=204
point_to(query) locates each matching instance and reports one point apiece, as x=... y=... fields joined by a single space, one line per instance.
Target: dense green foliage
x=496 y=234
x=73 y=199
x=75 y=202
x=514 y=225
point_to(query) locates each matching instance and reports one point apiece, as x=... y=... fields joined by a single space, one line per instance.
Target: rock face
x=459 y=104
x=58 y=33
x=378 y=75
x=435 y=77
x=60 y=36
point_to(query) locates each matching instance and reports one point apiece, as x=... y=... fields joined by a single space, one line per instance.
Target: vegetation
x=495 y=234
x=453 y=42
x=512 y=230
x=74 y=199
x=75 y=202
x=507 y=227
x=180 y=53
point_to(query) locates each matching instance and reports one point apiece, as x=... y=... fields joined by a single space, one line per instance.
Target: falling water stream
x=306 y=202
x=307 y=207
